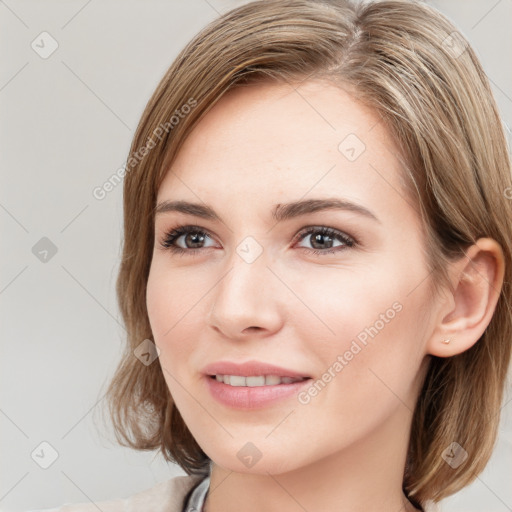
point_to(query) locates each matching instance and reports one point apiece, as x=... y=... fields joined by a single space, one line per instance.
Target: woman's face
x=347 y=310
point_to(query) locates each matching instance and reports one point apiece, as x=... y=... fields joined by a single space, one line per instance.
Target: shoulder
x=166 y=496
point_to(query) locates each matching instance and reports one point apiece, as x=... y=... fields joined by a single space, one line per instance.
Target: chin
x=258 y=458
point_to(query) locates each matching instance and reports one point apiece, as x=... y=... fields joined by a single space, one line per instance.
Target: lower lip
x=252 y=397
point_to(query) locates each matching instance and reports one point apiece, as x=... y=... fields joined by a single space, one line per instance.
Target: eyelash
x=172 y=235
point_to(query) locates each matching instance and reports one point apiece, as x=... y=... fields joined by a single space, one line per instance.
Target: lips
x=232 y=373
x=255 y=380
x=244 y=386
x=252 y=385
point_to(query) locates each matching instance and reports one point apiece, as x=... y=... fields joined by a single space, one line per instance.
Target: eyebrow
x=281 y=212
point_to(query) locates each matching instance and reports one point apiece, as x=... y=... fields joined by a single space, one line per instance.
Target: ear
x=466 y=312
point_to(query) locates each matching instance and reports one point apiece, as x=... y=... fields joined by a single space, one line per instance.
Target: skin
x=345 y=449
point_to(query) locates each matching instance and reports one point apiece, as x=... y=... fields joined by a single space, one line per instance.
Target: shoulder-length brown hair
x=408 y=63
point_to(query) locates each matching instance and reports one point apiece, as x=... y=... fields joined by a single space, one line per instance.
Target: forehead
x=269 y=143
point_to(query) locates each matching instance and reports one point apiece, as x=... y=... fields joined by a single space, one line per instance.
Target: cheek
x=177 y=306
x=375 y=349
x=340 y=304
x=164 y=306
x=371 y=316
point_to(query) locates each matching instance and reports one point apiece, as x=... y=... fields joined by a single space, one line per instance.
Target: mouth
x=252 y=384
x=256 y=380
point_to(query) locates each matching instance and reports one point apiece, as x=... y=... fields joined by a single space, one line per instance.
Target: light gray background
x=66 y=126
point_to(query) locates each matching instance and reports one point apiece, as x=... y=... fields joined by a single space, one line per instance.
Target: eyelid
x=168 y=242
x=328 y=230
x=180 y=230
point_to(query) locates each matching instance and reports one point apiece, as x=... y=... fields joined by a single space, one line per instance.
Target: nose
x=246 y=302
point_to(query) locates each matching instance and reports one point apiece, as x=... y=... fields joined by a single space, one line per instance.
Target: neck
x=366 y=476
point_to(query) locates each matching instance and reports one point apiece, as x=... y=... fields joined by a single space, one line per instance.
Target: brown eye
x=193 y=239
x=322 y=240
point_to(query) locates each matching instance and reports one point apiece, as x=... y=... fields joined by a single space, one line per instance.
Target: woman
x=317 y=263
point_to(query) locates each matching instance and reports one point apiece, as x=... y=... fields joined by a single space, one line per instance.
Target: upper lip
x=250 y=369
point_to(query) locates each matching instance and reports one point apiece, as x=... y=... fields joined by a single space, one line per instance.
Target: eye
x=326 y=246
x=197 y=236
x=193 y=237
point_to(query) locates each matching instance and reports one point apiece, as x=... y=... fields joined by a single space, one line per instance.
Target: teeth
x=259 y=380
x=254 y=381
x=272 y=380
x=235 y=380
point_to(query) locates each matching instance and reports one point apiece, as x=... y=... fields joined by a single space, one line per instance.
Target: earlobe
x=477 y=282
